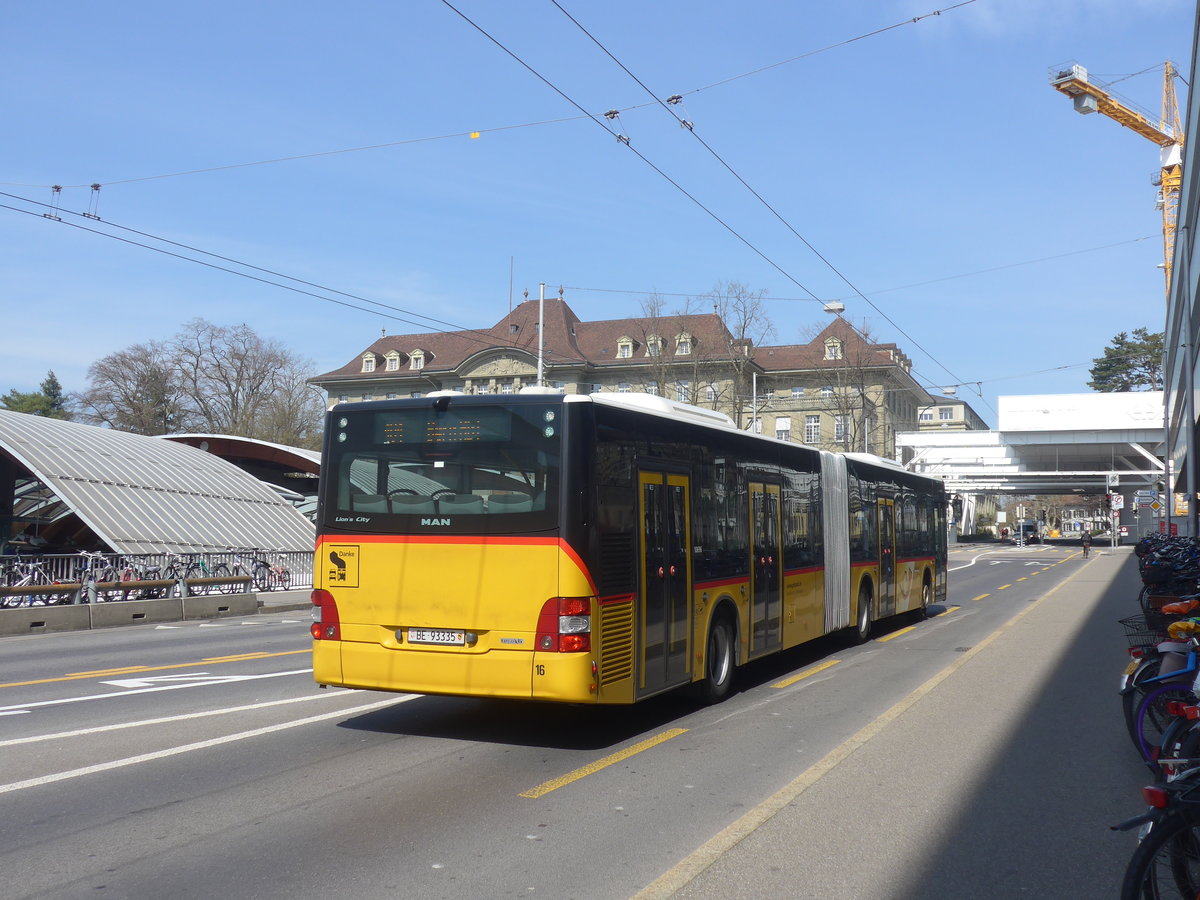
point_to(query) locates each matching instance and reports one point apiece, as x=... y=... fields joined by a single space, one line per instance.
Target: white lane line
x=118 y=726
x=198 y=745
x=25 y=707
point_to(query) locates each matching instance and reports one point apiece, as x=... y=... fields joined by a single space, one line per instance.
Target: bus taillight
x=565 y=625
x=326 y=625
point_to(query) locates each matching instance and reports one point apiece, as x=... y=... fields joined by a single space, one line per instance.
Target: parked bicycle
x=22 y=573
x=194 y=566
x=264 y=575
x=97 y=577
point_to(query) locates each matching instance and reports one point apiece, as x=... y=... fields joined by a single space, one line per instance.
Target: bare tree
x=136 y=389
x=225 y=380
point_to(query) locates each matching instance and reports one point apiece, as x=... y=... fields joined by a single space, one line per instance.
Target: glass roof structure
x=146 y=495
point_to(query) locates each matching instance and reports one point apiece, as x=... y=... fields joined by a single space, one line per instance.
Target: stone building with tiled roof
x=838 y=392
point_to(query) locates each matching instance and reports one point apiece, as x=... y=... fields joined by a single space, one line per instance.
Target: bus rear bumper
x=511 y=674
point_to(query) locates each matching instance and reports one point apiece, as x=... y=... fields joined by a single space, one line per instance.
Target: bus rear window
x=470 y=468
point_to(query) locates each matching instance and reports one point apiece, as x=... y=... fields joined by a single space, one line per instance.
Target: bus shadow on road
x=579 y=727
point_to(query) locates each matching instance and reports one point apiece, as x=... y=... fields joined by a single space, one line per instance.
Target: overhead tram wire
x=691 y=130
x=475 y=335
x=469 y=132
x=1028 y=262
x=632 y=149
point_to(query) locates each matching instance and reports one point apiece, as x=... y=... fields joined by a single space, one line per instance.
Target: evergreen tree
x=1130 y=363
x=47 y=401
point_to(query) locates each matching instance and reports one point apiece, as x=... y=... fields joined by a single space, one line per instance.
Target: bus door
x=766 y=569
x=664 y=628
x=886 y=595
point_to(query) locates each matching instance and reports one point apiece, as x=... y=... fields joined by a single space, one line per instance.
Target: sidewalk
x=997 y=779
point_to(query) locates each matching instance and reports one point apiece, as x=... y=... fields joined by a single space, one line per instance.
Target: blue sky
x=1001 y=238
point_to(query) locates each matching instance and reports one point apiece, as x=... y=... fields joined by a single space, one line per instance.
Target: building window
x=783 y=428
x=513 y=329
x=366 y=396
x=945 y=413
x=343 y=398
x=797 y=392
x=417 y=360
x=654 y=345
x=683 y=391
x=652 y=388
x=926 y=416
x=506 y=387
x=393 y=362
x=624 y=348
x=839 y=428
x=833 y=349
x=414 y=394
x=827 y=390
x=812 y=429
x=369 y=363
x=710 y=393
x=597 y=388
x=623 y=387
x=391 y=396
x=683 y=345
x=560 y=386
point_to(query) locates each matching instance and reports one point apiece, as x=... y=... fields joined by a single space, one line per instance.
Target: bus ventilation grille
x=616 y=641
x=617 y=553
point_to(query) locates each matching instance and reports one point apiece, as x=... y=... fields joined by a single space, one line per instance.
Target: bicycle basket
x=1143 y=631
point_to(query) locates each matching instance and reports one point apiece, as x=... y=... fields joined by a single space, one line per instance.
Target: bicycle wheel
x=1153 y=718
x=222 y=571
x=1166 y=863
x=285 y=579
x=261 y=578
x=1131 y=697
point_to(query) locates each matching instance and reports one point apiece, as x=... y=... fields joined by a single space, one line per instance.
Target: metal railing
x=72 y=578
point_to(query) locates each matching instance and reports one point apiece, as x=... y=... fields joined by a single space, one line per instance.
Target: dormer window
x=514 y=328
x=392 y=363
x=368 y=362
x=833 y=349
x=416 y=360
x=654 y=345
x=625 y=348
x=683 y=345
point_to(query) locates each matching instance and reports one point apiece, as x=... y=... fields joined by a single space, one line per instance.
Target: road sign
x=1118 y=501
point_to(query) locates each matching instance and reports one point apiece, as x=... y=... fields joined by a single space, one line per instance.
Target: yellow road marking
x=788 y=682
x=895 y=634
x=1003 y=586
x=555 y=783
x=947 y=611
x=121 y=671
x=1021 y=578
x=980 y=597
x=187 y=665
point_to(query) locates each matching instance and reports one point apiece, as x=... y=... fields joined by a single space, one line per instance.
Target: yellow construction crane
x=1072 y=80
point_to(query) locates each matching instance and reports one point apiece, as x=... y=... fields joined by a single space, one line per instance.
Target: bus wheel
x=926 y=598
x=862 y=630
x=718 y=661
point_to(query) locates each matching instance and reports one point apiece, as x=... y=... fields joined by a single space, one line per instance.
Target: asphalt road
x=199 y=760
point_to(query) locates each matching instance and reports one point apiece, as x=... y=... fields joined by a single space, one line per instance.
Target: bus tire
x=862 y=630
x=718 y=660
x=922 y=612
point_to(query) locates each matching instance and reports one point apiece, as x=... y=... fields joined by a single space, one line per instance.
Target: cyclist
x=1086 y=541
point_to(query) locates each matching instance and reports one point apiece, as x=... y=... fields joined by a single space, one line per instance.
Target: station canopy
x=146 y=495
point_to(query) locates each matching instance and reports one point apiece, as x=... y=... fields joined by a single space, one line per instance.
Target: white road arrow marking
x=207 y=680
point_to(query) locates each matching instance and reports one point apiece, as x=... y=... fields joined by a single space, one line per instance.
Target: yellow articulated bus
x=598 y=549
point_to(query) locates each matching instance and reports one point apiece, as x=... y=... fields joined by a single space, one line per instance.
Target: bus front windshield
x=458 y=467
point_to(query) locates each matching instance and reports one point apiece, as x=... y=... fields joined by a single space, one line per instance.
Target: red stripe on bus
x=803 y=570
x=615 y=598
x=719 y=582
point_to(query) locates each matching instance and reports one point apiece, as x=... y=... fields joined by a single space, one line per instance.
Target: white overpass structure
x=1051 y=444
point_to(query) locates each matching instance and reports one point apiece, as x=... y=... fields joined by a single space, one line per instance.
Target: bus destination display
x=446 y=428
